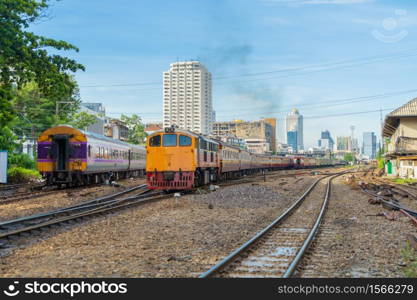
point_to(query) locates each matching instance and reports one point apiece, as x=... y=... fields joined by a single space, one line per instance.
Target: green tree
x=348 y=157
x=136 y=128
x=82 y=120
x=35 y=112
x=24 y=59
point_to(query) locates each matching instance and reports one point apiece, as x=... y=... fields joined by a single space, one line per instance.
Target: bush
x=21 y=160
x=22 y=175
x=405 y=180
x=381 y=163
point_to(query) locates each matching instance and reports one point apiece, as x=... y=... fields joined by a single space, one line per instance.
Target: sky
x=342 y=63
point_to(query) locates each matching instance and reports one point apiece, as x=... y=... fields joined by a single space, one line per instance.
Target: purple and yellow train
x=69 y=156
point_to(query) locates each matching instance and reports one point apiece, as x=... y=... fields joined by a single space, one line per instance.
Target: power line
x=347 y=114
x=329 y=65
x=325 y=103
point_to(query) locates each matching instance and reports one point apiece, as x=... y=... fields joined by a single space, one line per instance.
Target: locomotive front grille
x=168 y=176
x=170 y=180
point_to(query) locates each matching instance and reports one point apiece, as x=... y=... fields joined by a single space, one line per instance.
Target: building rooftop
x=393 y=118
x=152 y=127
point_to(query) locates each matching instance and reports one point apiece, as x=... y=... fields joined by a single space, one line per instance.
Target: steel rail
x=391 y=204
x=69 y=208
x=131 y=201
x=231 y=257
x=291 y=268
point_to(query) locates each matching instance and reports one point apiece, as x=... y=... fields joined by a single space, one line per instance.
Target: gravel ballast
x=170 y=238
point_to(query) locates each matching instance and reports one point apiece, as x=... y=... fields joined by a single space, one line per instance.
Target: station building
x=400 y=134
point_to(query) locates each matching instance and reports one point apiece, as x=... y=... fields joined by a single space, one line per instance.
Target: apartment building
x=188 y=97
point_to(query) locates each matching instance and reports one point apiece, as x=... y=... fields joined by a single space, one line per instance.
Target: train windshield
x=185 y=140
x=155 y=141
x=170 y=140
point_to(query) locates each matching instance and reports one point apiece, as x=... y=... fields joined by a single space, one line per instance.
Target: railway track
x=32 y=224
x=38 y=191
x=7 y=187
x=25 y=196
x=277 y=249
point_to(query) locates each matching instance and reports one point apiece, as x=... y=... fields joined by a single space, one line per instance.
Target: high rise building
x=187 y=97
x=369 y=144
x=344 y=143
x=262 y=131
x=292 y=140
x=273 y=123
x=326 y=142
x=294 y=123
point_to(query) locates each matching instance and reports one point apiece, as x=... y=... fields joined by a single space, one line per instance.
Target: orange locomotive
x=180 y=159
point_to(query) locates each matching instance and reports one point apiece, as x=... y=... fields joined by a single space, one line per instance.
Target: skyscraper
x=294 y=123
x=326 y=142
x=369 y=144
x=344 y=143
x=187 y=97
x=292 y=140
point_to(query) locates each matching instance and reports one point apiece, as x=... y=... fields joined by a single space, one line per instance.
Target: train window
x=185 y=140
x=170 y=140
x=89 y=150
x=155 y=141
x=205 y=156
x=211 y=157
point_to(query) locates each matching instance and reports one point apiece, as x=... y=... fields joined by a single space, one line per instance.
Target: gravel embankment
x=354 y=241
x=169 y=238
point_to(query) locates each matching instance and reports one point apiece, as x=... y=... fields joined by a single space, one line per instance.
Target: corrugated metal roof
x=392 y=119
x=407 y=110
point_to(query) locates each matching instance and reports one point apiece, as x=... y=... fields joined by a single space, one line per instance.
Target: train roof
x=98 y=136
x=108 y=139
x=197 y=135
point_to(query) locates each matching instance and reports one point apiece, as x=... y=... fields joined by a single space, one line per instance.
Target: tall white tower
x=188 y=97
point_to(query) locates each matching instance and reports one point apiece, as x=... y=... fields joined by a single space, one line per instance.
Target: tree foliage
x=82 y=120
x=36 y=112
x=27 y=69
x=23 y=55
x=348 y=157
x=136 y=128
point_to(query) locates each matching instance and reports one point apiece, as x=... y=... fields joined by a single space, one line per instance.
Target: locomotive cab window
x=185 y=140
x=155 y=141
x=170 y=140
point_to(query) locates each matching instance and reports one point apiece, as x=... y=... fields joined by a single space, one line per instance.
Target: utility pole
x=381 y=143
x=57 y=106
